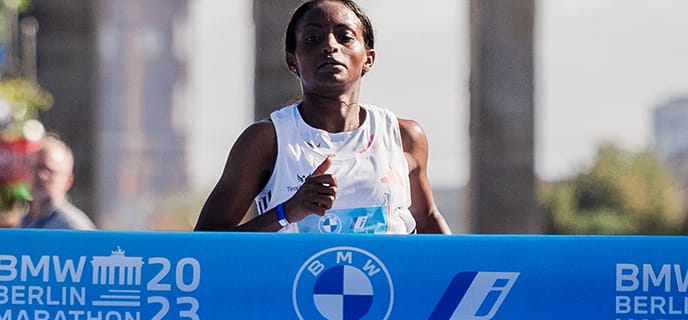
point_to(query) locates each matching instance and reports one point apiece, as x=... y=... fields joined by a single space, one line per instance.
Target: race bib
x=355 y=220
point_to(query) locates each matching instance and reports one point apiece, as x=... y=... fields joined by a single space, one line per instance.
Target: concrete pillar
x=274 y=85
x=502 y=195
x=66 y=54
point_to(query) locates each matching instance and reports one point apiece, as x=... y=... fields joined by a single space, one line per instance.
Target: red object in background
x=15 y=159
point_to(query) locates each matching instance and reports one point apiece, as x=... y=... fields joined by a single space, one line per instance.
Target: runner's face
x=330 y=47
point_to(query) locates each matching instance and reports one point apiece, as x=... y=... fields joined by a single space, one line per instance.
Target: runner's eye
x=345 y=38
x=311 y=39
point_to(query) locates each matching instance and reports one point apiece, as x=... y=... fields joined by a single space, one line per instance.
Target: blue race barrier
x=175 y=275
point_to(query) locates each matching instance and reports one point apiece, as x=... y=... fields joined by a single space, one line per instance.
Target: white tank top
x=373 y=194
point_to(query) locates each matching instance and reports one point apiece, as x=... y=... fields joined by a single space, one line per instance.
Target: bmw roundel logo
x=330 y=223
x=343 y=283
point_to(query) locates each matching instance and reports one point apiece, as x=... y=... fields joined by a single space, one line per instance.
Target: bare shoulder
x=414 y=141
x=255 y=150
x=263 y=129
x=258 y=136
x=411 y=131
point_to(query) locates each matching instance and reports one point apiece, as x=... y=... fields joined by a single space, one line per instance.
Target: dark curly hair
x=290 y=39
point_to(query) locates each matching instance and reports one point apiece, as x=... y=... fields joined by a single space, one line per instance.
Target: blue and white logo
x=474 y=295
x=330 y=223
x=343 y=283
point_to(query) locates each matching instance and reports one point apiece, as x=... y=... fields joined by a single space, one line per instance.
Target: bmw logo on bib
x=343 y=283
x=330 y=223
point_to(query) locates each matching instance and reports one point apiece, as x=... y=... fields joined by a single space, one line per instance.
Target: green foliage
x=21 y=102
x=13 y=192
x=19 y=5
x=25 y=99
x=622 y=193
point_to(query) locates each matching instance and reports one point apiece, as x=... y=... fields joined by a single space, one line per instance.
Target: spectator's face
x=52 y=176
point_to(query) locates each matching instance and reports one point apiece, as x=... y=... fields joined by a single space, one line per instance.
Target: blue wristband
x=281 y=217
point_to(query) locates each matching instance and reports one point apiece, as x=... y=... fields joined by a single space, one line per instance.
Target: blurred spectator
x=51 y=179
x=10 y=218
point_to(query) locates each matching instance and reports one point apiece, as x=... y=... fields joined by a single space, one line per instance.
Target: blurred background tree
x=21 y=100
x=622 y=193
x=20 y=131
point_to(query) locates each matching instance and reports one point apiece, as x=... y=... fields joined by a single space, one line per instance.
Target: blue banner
x=176 y=275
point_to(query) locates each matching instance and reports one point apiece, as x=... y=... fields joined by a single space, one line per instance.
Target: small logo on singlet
x=301 y=178
x=330 y=223
x=393 y=176
x=263 y=201
x=313 y=145
x=359 y=223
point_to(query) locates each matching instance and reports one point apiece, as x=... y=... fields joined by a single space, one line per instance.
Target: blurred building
x=143 y=99
x=671 y=129
x=118 y=75
x=671 y=138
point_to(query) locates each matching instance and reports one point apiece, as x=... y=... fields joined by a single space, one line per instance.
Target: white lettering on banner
x=31 y=287
x=40 y=268
x=37 y=295
x=8 y=267
x=628 y=277
x=316 y=267
x=66 y=315
x=651 y=305
x=370 y=268
x=660 y=291
x=193 y=308
x=68 y=267
x=656 y=279
x=623 y=277
x=154 y=284
x=164 y=307
x=27 y=266
x=681 y=278
x=344 y=257
x=195 y=274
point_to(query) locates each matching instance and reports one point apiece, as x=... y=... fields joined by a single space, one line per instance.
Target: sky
x=601 y=68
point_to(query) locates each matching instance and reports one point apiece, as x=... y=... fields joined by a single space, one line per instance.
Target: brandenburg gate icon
x=117 y=269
